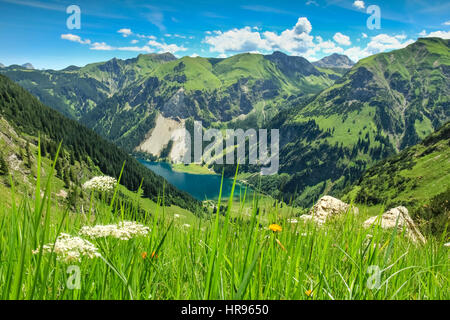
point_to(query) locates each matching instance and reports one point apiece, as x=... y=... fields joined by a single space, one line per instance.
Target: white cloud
x=194 y=55
x=296 y=40
x=401 y=36
x=156 y=17
x=359 y=4
x=327 y=47
x=136 y=49
x=384 y=42
x=151 y=46
x=75 y=38
x=438 y=34
x=423 y=33
x=236 y=40
x=377 y=44
x=364 y=35
x=163 y=47
x=303 y=26
x=145 y=36
x=101 y=46
x=311 y=2
x=355 y=53
x=168 y=35
x=125 y=32
x=342 y=39
x=446 y=23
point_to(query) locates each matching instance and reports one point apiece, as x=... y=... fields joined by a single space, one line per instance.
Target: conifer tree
x=4 y=169
x=28 y=155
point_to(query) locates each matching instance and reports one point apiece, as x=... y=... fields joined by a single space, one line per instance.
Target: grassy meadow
x=238 y=254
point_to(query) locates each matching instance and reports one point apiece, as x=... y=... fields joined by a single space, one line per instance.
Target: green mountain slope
x=29 y=116
x=120 y=98
x=211 y=90
x=384 y=104
x=75 y=91
x=418 y=177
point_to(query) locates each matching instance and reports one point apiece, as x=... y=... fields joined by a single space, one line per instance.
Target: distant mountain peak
x=335 y=61
x=2 y=65
x=71 y=68
x=292 y=64
x=166 y=56
x=28 y=66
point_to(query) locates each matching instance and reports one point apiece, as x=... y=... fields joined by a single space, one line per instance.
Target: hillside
x=120 y=99
x=384 y=104
x=27 y=116
x=75 y=91
x=418 y=177
x=211 y=90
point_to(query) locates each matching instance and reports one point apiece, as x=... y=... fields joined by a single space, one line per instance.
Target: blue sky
x=36 y=31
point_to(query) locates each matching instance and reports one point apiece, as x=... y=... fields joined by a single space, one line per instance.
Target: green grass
x=192 y=168
x=223 y=257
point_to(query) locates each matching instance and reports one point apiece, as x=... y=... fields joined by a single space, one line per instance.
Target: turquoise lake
x=201 y=187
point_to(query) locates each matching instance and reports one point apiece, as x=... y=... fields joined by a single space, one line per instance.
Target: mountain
x=335 y=61
x=28 y=66
x=333 y=124
x=210 y=90
x=418 y=177
x=28 y=116
x=74 y=91
x=384 y=104
x=238 y=84
x=2 y=65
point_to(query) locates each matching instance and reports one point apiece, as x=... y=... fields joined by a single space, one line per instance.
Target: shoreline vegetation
x=193 y=168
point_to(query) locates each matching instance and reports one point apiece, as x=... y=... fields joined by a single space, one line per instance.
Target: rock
x=62 y=194
x=328 y=207
x=389 y=221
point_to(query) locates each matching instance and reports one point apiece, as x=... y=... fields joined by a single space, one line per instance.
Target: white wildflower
x=123 y=230
x=186 y=225
x=101 y=183
x=70 y=249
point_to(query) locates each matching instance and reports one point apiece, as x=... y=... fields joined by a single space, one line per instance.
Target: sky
x=38 y=32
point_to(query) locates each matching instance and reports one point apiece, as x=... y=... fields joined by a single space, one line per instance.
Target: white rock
x=389 y=221
x=62 y=194
x=328 y=207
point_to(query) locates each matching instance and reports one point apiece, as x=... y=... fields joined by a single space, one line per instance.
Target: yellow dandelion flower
x=308 y=293
x=275 y=228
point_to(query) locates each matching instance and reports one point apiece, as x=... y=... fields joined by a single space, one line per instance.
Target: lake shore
x=193 y=169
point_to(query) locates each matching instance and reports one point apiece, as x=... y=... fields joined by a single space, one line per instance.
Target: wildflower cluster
x=125 y=230
x=70 y=249
x=101 y=183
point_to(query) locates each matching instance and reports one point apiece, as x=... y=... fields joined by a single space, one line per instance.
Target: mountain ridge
x=335 y=61
x=378 y=108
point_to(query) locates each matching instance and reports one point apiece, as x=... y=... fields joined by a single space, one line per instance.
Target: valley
x=382 y=104
x=92 y=176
